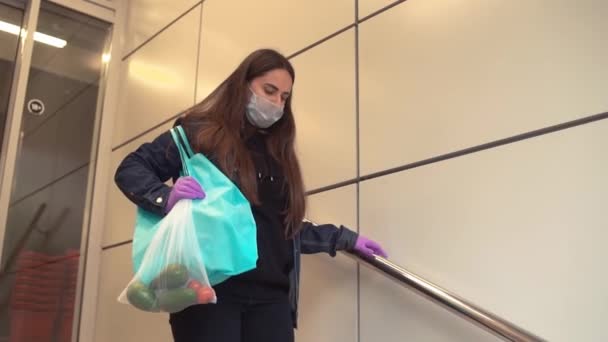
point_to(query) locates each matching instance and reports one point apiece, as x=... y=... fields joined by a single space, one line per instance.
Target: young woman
x=246 y=128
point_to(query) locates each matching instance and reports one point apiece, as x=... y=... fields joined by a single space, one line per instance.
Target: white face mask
x=261 y=112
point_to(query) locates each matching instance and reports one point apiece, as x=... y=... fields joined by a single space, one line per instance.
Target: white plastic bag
x=172 y=274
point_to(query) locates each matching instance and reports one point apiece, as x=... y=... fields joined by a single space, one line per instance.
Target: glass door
x=45 y=218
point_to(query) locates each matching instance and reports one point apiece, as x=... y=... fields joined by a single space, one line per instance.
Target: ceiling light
x=39 y=37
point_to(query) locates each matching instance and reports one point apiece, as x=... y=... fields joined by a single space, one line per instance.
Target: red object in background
x=31 y=326
x=43 y=297
x=65 y=332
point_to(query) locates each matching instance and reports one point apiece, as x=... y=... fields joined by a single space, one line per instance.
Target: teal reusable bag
x=225 y=227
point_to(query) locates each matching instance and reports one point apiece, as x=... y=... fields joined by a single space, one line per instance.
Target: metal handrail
x=492 y=323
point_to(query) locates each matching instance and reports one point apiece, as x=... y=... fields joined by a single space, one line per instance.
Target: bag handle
x=185 y=152
x=185 y=142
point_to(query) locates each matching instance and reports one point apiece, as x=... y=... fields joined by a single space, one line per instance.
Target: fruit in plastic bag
x=176 y=299
x=171 y=260
x=141 y=297
x=195 y=285
x=205 y=295
x=172 y=277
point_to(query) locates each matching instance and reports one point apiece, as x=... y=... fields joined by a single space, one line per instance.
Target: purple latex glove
x=368 y=247
x=184 y=188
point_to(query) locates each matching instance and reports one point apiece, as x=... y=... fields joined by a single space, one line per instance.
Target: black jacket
x=142 y=175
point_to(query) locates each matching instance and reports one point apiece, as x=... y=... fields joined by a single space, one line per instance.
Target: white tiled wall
x=145 y=18
x=438 y=76
x=232 y=29
x=516 y=229
x=328 y=302
x=120 y=212
x=158 y=79
x=497 y=227
x=397 y=314
x=324 y=106
x=367 y=7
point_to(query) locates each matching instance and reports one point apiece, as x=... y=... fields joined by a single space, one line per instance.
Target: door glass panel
x=42 y=242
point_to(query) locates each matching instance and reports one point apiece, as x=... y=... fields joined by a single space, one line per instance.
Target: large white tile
x=158 y=80
x=324 y=108
x=328 y=293
x=398 y=314
x=367 y=7
x=233 y=29
x=121 y=322
x=438 y=76
x=519 y=229
x=145 y=18
x=328 y=299
x=120 y=211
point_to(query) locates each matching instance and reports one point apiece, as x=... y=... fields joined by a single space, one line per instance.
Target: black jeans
x=250 y=321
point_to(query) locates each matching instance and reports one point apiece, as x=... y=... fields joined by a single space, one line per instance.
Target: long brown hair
x=218 y=127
